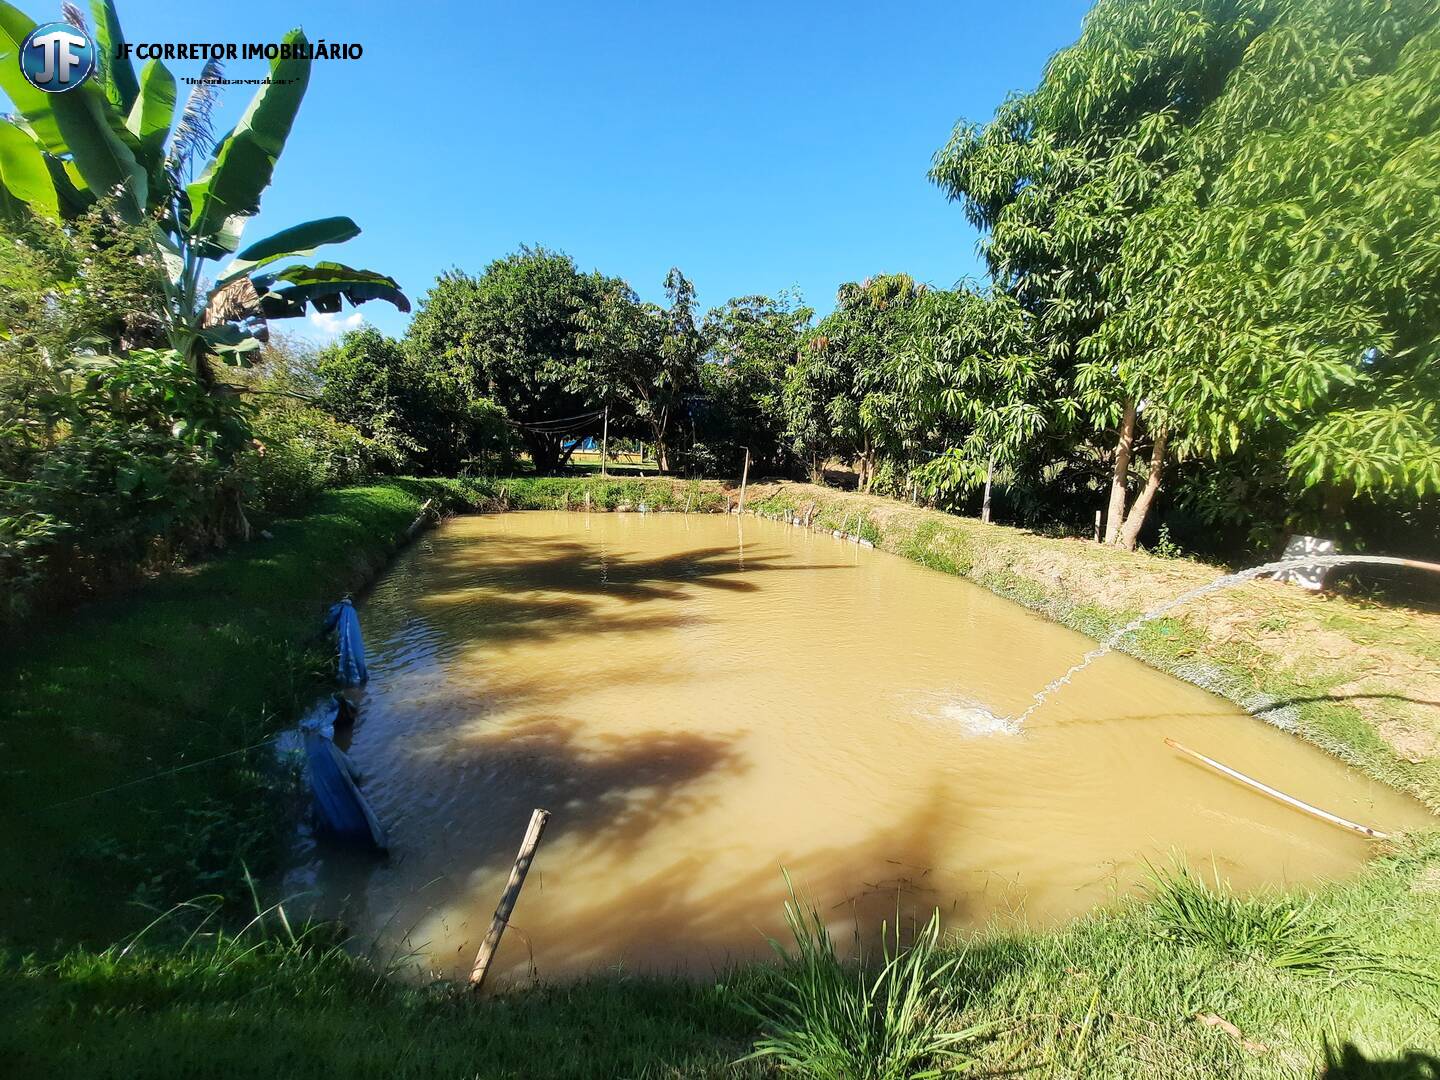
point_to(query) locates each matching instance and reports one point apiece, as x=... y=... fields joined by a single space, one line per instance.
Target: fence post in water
x=538 y=818
x=419 y=522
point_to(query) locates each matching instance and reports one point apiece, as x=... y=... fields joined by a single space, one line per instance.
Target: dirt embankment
x=1361 y=680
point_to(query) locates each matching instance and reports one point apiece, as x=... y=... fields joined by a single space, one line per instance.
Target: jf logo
x=57 y=57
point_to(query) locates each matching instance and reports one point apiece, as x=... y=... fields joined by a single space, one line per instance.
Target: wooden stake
x=419 y=522
x=604 y=441
x=538 y=818
x=1098 y=514
x=744 y=477
x=985 y=506
x=1288 y=800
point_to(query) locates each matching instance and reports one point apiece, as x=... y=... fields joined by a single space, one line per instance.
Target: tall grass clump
x=830 y=1019
x=1279 y=931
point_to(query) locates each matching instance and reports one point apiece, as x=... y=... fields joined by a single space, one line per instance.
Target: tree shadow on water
x=680 y=918
x=456 y=815
x=578 y=570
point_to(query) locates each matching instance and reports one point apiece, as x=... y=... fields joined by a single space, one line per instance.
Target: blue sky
x=757 y=146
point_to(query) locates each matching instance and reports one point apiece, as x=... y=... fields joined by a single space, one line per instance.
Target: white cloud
x=332 y=324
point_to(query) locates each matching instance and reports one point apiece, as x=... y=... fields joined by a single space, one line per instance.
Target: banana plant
x=115 y=138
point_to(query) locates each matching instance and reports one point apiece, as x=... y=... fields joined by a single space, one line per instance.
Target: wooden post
x=989 y=474
x=604 y=440
x=538 y=818
x=1098 y=515
x=419 y=522
x=744 y=478
x=1288 y=800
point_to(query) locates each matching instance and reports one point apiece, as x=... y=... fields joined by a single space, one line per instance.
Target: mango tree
x=1216 y=214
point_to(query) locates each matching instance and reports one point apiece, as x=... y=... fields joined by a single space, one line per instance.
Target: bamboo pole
x=1288 y=800
x=989 y=475
x=744 y=478
x=538 y=818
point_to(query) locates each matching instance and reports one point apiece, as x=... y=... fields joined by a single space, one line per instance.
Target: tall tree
x=512 y=335
x=1143 y=152
x=644 y=357
x=845 y=394
x=1284 y=296
x=751 y=343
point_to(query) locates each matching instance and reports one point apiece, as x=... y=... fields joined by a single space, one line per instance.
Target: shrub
x=300 y=451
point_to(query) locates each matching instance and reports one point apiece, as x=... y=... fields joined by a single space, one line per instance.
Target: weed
x=833 y=1020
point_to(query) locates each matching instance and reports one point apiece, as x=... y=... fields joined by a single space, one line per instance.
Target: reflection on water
x=697 y=712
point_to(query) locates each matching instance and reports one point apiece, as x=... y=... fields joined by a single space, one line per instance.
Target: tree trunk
x=1135 y=520
x=544 y=451
x=867 y=466
x=1124 y=447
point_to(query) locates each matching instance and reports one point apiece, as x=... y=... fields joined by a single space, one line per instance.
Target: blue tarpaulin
x=342 y=811
x=346 y=624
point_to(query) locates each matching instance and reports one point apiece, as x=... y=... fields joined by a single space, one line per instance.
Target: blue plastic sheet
x=345 y=621
x=341 y=810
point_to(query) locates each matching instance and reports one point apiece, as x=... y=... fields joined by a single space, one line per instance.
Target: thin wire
x=558 y=420
x=153 y=776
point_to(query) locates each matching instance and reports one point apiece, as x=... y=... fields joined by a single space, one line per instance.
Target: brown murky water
x=701 y=701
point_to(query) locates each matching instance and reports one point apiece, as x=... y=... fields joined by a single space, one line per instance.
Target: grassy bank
x=216 y=658
x=1360 y=680
x=203 y=662
x=1136 y=992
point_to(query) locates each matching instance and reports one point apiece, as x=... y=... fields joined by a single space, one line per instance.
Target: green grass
x=825 y=1017
x=1119 y=994
x=203 y=662
x=273 y=1010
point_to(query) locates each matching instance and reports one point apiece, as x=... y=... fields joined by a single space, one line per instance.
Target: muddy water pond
x=701 y=701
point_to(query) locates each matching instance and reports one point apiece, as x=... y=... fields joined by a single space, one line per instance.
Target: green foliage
x=825 y=1018
x=411 y=404
x=132 y=476
x=846 y=394
x=107 y=139
x=752 y=342
x=642 y=357
x=1272 y=930
x=1224 y=209
x=302 y=451
x=1278 y=931
x=512 y=336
